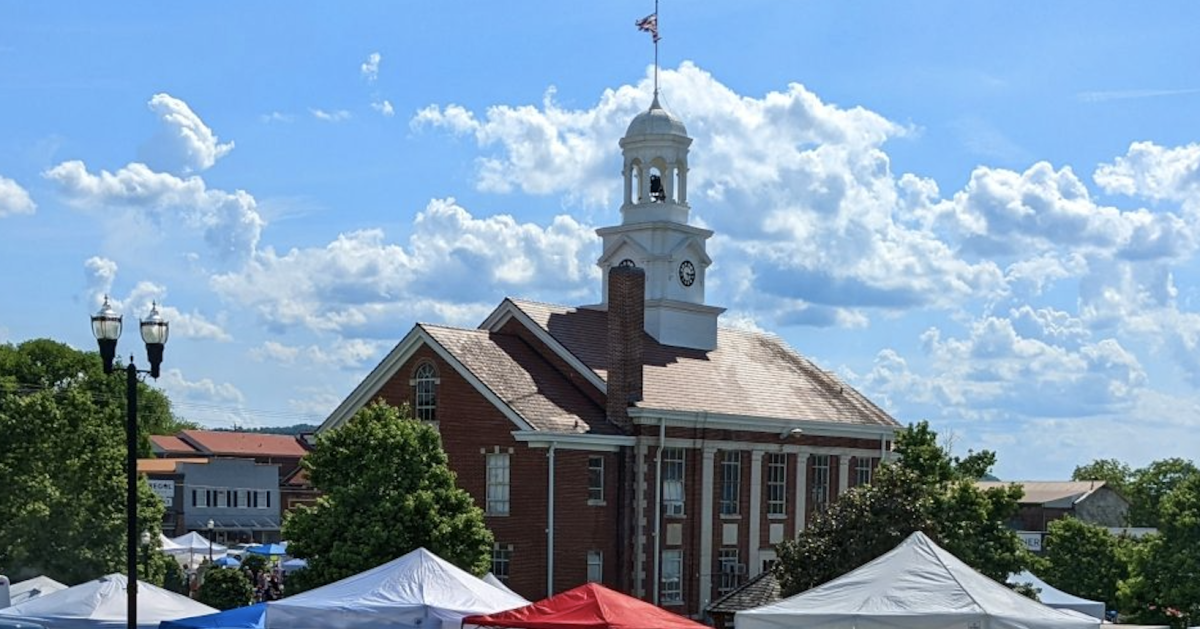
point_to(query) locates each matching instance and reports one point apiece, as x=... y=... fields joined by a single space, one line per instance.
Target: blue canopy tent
x=227 y=562
x=268 y=549
x=249 y=617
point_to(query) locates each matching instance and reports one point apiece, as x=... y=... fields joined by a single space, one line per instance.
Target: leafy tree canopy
x=62 y=424
x=225 y=588
x=1150 y=486
x=387 y=490
x=927 y=490
x=1085 y=560
x=1163 y=587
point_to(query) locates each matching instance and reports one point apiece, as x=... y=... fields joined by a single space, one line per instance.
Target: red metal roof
x=219 y=442
x=170 y=444
x=589 y=606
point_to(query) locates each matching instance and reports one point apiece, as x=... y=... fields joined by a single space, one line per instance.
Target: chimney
x=626 y=324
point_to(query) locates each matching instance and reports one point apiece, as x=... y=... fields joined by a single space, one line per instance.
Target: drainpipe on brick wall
x=662 y=437
x=550 y=525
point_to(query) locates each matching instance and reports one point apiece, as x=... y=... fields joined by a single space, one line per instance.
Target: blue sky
x=981 y=215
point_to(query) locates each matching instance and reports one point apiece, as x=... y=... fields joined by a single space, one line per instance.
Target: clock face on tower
x=687 y=273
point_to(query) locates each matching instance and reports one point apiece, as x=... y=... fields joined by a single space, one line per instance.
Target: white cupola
x=654 y=233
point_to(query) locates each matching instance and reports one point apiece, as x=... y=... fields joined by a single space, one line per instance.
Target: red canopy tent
x=590 y=606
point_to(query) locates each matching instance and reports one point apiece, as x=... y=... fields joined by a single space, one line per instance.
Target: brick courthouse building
x=634 y=442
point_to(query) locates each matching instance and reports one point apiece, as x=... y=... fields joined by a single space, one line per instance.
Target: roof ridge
x=450 y=327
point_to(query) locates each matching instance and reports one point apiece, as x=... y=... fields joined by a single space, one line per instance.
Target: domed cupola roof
x=655 y=121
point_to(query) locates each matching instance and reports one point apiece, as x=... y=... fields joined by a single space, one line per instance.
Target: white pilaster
x=706 y=527
x=756 y=458
x=801 y=489
x=843 y=474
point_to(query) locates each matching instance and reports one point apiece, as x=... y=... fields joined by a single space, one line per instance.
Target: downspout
x=550 y=525
x=662 y=437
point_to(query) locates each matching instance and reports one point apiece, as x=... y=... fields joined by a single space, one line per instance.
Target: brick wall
x=470 y=427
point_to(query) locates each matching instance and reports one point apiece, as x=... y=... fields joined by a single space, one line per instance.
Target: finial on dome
x=654 y=103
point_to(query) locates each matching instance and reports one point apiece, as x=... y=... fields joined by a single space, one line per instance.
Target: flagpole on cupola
x=649 y=24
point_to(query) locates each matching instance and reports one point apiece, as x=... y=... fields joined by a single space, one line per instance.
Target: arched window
x=424 y=384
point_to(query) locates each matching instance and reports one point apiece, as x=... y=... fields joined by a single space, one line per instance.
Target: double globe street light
x=106 y=326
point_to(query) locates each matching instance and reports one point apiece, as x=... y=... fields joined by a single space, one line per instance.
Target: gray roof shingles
x=750 y=373
x=524 y=380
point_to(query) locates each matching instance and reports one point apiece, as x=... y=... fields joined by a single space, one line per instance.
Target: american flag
x=650 y=25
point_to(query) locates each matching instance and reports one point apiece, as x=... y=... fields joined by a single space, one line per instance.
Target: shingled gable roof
x=504 y=368
x=750 y=374
x=170 y=444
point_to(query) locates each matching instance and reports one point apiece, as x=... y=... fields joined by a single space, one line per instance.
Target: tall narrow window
x=424 y=385
x=776 y=484
x=731 y=481
x=671 y=590
x=820 y=482
x=595 y=566
x=672 y=481
x=497 y=484
x=731 y=571
x=596 y=480
x=862 y=471
x=501 y=558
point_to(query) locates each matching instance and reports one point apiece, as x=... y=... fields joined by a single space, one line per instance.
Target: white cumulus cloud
x=14 y=199
x=370 y=67
x=453 y=268
x=183 y=144
x=384 y=107
x=229 y=221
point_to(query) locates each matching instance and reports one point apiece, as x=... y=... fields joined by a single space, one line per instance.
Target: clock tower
x=654 y=233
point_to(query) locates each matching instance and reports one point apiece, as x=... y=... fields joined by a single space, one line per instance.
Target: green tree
x=1114 y=473
x=387 y=490
x=925 y=490
x=225 y=588
x=1151 y=484
x=62 y=461
x=1163 y=587
x=1085 y=560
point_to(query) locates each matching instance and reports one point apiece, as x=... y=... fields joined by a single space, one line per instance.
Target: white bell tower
x=654 y=233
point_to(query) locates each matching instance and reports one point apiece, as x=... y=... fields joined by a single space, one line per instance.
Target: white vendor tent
x=917 y=585
x=495 y=582
x=1058 y=599
x=195 y=543
x=30 y=589
x=417 y=591
x=101 y=604
x=168 y=544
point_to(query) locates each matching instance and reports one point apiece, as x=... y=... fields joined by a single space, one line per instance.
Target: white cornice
x=508 y=310
x=697 y=419
x=387 y=368
x=574 y=440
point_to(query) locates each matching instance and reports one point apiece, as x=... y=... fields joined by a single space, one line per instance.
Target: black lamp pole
x=106 y=326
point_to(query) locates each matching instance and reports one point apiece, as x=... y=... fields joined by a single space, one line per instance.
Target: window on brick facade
x=425 y=383
x=595 y=566
x=731 y=481
x=595 y=479
x=671 y=588
x=672 y=481
x=497 y=484
x=777 y=484
x=862 y=471
x=820 y=481
x=729 y=569
x=501 y=558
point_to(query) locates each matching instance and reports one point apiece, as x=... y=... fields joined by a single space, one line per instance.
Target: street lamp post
x=210 y=541
x=106 y=326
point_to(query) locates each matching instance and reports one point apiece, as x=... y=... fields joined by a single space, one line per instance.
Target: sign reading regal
x=165 y=489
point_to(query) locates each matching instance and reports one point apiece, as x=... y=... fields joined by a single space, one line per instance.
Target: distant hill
x=294 y=429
